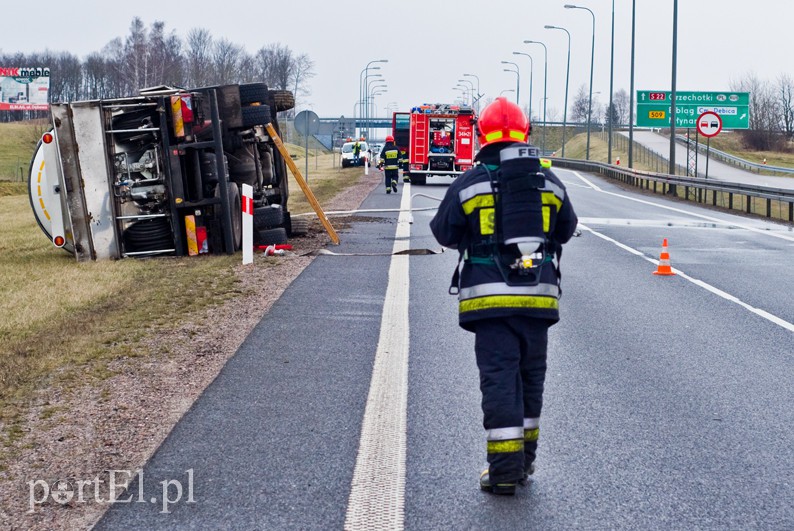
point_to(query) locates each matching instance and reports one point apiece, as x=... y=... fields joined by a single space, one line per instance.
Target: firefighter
x=391 y=167
x=508 y=217
x=404 y=166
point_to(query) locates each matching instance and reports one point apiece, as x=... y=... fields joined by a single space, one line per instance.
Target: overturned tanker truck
x=161 y=173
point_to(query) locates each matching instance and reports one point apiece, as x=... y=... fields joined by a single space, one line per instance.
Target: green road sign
x=653 y=108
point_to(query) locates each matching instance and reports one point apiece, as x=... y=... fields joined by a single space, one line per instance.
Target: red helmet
x=502 y=121
x=389 y=138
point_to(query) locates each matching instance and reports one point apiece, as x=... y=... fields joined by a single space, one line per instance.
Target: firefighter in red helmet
x=391 y=168
x=508 y=217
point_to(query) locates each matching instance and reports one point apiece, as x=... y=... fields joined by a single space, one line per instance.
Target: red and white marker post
x=248 y=224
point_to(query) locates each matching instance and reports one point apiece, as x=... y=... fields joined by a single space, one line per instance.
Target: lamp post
x=462 y=92
x=518 y=79
x=531 y=69
x=631 y=88
x=673 y=92
x=467 y=93
x=592 y=56
x=611 y=84
x=567 y=78
x=479 y=94
x=366 y=97
x=370 y=95
x=471 y=90
x=507 y=90
x=545 y=79
x=361 y=81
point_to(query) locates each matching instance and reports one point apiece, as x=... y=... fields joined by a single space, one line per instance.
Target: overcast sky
x=431 y=43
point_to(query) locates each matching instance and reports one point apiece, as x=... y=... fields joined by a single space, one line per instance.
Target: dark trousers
x=391 y=177
x=511 y=357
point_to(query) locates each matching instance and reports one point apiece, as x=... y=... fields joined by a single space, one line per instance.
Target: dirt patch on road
x=71 y=436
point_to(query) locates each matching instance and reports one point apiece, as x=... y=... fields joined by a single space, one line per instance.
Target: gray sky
x=431 y=43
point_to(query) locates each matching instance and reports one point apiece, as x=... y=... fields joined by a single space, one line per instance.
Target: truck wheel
x=236 y=210
x=270 y=236
x=268 y=216
x=253 y=93
x=256 y=115
x=282 y=100
x=418 y=178
x=300 y=227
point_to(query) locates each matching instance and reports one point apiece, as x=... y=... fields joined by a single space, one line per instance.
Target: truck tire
x=418 y=178
x=253 y=93
x=282 y=100
x=299 y=227
x=268 y=216
x=256 y=115
x=270 y=236
x=236 y=211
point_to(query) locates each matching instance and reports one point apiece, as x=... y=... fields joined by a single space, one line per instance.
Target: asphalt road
x=668 y=399
x=717 y=170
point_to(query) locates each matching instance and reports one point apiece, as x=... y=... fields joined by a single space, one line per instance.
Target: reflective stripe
x=502 y=434
x=531 y=424
x=480 y=201
x=474 y=190
x=494 y=135
x=500 y=288
x=531 y=435
x=545 y=163
x=550 y=198
x=391 y=167
x=518 y=135
x=508 y=301
x=556 y=190
x=505 y=447
x=487 y=221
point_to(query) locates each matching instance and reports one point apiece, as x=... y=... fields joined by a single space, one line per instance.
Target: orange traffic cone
x=664 y=262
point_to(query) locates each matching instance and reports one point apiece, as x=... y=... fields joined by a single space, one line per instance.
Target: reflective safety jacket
x=391 y=156
x=465 y=221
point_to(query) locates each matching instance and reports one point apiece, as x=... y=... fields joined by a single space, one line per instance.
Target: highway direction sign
x=653 y=108
x=709 y=124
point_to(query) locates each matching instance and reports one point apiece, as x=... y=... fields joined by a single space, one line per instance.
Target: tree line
x=151 y=56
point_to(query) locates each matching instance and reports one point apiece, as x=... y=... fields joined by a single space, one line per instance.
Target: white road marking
x=774 y=234
x=377 y=496
x=727 y=296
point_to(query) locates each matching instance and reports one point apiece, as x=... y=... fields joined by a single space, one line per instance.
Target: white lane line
x=595 y=187
x=727 y=296
x=378 y=490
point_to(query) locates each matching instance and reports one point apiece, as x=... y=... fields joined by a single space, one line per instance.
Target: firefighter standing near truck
x=391 y=168
x=404 y=165
x=508 y=217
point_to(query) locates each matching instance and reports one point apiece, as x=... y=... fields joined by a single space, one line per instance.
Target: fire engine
x=441 y=141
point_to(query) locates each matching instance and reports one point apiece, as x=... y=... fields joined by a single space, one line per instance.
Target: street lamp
x=370 y=95
x=518 y=78
x=672 y=92
x=507 y=90
x=366 y=96
x=567 y=77
x=531 y=68
x=545 y=79
x=631 y=88
x=471 y=88
x=611 y=80
x=592 y=56
x=479 y=94
x=362 y=80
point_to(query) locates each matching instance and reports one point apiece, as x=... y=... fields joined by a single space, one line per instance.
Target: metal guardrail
x=773 y=203
x=734 y=160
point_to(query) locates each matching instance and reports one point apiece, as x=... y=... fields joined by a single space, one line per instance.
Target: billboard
x=24 y=89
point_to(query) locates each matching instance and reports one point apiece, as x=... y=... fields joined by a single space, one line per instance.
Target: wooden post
x=299 y=178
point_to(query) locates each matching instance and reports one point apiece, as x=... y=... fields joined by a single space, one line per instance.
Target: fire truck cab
x=441 y=141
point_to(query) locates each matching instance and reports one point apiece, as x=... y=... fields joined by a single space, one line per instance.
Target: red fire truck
x=441 y=141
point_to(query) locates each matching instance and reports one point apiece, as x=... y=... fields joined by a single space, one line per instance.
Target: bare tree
x=199 y=58
x=621 y=102
x=764 y=133
x=580 y=105
x=302 y=71
x=785 y=85
x=226 y=58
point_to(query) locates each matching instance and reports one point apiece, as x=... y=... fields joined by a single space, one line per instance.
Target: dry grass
x=17 y=143
x=64 y=320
